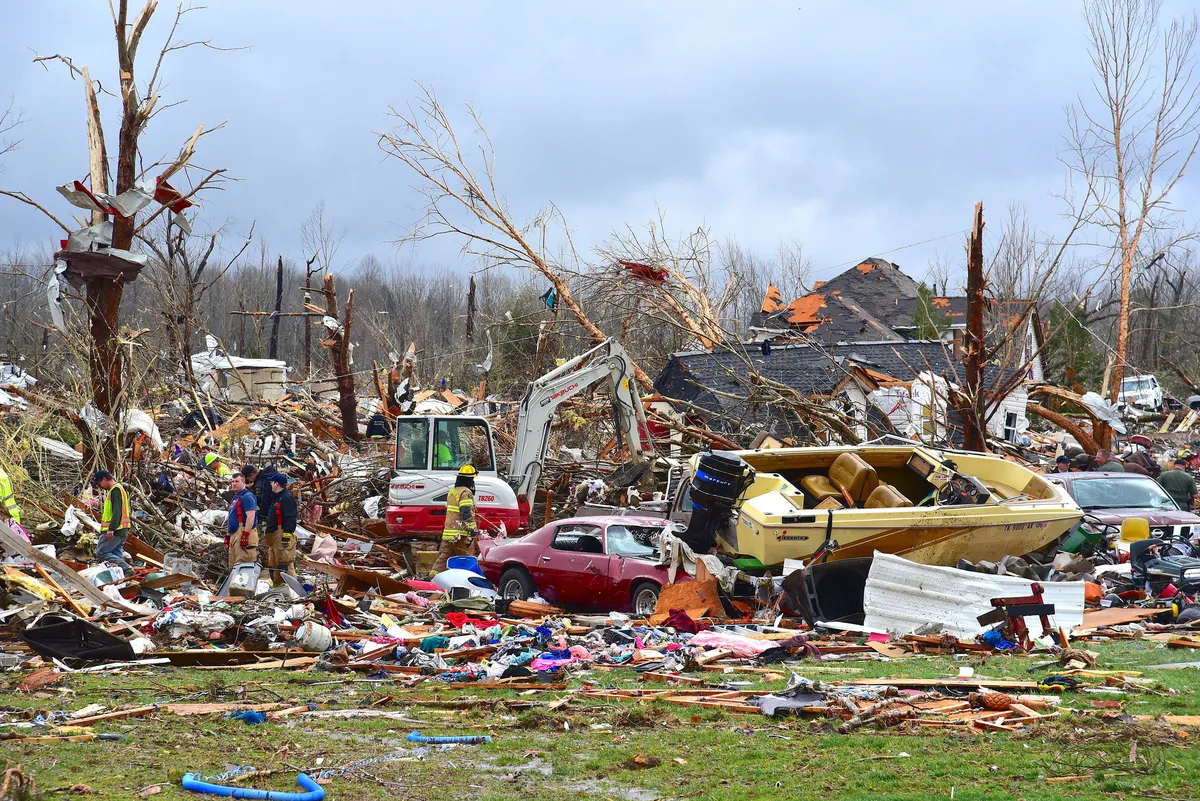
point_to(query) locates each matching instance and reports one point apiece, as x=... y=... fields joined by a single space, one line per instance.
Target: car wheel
x=644 y=599
x=516 y=585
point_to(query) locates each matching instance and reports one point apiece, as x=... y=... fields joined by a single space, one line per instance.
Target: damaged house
x=237 y=379
x=876 y=301
x=886 y=386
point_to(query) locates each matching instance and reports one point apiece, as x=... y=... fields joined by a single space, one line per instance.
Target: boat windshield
x=1121 y=493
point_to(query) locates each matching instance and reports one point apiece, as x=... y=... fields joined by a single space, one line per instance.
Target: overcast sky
x=857 y=128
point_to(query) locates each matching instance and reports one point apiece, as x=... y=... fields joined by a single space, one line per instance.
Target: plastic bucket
x=314 y=637
x=464 y=563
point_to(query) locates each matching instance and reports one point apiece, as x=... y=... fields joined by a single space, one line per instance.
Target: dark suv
x=1112 y=497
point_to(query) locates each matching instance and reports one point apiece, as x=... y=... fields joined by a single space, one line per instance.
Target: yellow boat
x=931 y=506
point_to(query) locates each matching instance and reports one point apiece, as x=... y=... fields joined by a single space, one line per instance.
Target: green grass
x=585 y=749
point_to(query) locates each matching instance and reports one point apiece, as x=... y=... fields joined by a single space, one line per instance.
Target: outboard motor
x=716 y=487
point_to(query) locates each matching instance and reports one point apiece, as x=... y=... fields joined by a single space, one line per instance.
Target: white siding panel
x=901 y=596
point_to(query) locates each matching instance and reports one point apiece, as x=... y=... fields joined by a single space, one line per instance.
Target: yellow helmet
x=467 y=471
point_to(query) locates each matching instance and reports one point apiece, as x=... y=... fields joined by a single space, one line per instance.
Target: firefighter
x=281 y=530
x=242 y=537
x=460 y=529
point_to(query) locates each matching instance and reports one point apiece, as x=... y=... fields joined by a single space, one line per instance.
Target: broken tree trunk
x=1066 y=424
x=974 y=419
x=338 y=343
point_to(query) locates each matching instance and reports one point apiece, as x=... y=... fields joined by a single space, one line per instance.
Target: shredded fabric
x=742 y=646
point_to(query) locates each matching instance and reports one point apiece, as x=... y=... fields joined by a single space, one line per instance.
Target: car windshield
x=1114 y=493
x=1135 y=384
x=626 y=540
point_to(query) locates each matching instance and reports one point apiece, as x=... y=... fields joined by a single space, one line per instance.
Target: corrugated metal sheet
x=901 y=596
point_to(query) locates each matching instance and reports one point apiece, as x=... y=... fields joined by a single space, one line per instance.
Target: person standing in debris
x=214 y=462
x=250 y=475
x=262 y=486
x=115 y=521
x=281 y=530
x=1062 y=464
x=459 y=532
x=1107 y=463
x=9 y=497
x=242 y=536
x=1180 y=485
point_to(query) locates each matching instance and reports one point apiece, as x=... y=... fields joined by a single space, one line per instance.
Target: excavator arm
x=606 y=360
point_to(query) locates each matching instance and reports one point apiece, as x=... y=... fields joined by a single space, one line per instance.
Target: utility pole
x=307 y=338
x=278 y=308
x=975 y=419
x=471 y=312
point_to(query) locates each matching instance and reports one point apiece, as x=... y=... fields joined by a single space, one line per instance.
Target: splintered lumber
x=274 y=664
x=1183 y=642
x=351 y=579
x=137 y=712
x=712 y=656
x=890 y=681
x=17 y=545
x=213 y=658
x=529 y=609
x=651 y=675
x=189 y=710
x=1115 y=616
x=469 y=654
x=1166 y=426
x=41 y=571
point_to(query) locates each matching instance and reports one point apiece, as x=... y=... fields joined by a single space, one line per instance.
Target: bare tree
x=9 y=120
x=462 y=200
x=676 y=279
x=182 y=274
x=320 y=240
x=1133 y=141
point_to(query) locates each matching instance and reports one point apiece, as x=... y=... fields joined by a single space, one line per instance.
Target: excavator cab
x=440 y=443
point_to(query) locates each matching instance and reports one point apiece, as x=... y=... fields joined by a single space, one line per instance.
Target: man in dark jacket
x=261 y=485
x=281 y=529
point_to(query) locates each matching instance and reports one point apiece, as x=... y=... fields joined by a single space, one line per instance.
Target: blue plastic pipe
x=315 y=791
x=462 y=739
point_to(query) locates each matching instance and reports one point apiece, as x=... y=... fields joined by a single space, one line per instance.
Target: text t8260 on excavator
x=430 y=449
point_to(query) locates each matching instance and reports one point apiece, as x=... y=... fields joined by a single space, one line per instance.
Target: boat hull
x=776 y=520
x=937 y=536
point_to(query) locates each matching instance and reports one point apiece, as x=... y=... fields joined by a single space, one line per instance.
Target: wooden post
x=471 y=311
x=307 y=337
x=278 y=309
x=975 y=418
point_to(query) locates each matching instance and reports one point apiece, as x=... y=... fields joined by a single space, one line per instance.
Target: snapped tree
x=138 y=105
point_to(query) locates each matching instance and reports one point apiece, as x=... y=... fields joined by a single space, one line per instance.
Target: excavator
x=431 y=448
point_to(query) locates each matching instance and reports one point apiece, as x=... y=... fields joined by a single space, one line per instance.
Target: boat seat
x=849 y=471
x=886 y=497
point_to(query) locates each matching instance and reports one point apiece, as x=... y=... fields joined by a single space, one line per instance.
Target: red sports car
x=604 y=563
